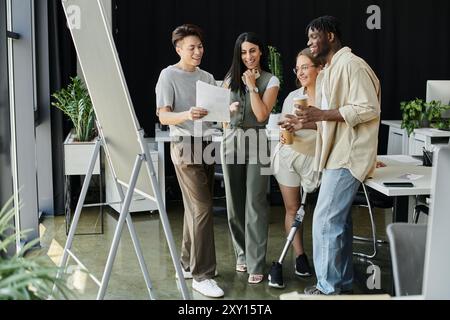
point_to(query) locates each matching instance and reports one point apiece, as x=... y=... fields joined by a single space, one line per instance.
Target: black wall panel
x=411 y=46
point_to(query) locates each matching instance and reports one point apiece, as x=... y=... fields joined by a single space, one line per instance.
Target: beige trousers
x=196 y=183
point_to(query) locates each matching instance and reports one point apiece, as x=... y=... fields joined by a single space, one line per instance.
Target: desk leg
x=401 y=206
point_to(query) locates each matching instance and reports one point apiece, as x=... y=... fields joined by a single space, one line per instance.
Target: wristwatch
x=255 y=90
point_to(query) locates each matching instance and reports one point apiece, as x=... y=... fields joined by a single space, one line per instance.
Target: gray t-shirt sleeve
x=211 y=80
x=165 y=93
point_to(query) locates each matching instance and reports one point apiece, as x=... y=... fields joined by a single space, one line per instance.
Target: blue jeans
x=332 y=231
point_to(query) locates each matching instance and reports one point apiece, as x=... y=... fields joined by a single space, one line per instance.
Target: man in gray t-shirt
x=175 y=103
x=176 y=88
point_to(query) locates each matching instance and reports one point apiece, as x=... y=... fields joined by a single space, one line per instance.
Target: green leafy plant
x=76 y=103
x=24 y=278
x=417 y=114
x=276 y=68
x=442 y=124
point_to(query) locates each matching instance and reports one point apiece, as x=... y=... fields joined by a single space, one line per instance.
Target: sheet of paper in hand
x=214 y=99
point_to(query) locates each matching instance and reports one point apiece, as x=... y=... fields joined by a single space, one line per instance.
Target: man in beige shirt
x=348 y=93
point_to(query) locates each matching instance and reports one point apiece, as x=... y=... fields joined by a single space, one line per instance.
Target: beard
x=323 y=53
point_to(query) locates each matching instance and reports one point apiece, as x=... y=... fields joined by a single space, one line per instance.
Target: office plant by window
x=419 y=114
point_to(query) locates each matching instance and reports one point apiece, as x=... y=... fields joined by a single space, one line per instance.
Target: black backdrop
x=63 y=65
x=411 y=46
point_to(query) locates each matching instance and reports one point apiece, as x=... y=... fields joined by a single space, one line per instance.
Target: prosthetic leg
x=276 y=271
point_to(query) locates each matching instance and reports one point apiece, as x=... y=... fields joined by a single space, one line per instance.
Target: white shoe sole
x=303 y=274
x=207 y=295
x=276 y=285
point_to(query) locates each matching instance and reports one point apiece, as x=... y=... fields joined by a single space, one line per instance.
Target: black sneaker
x=302 y=268
x=276 y=276
x=313 y=291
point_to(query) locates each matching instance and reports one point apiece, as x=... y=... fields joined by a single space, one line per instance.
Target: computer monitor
x=439 y=90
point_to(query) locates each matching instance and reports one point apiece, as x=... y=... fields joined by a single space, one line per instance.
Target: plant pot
x=77 y=156
x=425 y=123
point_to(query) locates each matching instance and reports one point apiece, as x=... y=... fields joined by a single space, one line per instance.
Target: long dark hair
x=237 y=68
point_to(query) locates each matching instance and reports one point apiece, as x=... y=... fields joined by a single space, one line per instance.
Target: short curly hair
x=326 y=24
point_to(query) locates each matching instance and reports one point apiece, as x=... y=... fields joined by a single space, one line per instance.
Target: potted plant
x=439 y=122
x=76 y=103
x=25 y=278
x=276 y=68
x=442 y=124
x=419 y=114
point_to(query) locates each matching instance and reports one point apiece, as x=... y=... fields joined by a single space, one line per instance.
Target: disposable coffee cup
x=301 y=101
x=288 y=136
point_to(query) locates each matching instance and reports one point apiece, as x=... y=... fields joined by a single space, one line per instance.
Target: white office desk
x=402 y=195
x=400 y=143
x=393 y=171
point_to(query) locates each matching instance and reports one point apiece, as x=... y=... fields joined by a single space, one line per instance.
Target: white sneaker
x=188 y=275
x=208 y=288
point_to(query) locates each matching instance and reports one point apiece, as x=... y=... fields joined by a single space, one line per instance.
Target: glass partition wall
x=5 y=129
x=18 y=170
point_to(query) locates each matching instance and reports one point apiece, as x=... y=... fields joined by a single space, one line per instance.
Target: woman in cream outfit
x=293 y=164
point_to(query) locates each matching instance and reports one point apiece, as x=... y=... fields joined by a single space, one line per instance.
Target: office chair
x=369 y=201
x=407 y=243
x=418 y=209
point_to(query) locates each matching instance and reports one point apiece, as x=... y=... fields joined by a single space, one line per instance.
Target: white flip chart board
x=109 y=93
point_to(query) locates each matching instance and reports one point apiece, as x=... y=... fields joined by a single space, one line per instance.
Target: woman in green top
x=253 y=94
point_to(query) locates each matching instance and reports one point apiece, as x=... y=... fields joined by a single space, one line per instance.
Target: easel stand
x=68 y=207
x=143 y=158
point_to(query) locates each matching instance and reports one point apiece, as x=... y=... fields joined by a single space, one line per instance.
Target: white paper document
x=214 y=99
x=411 y=176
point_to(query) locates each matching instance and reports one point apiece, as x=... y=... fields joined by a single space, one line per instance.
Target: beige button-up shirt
x=350 y=85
